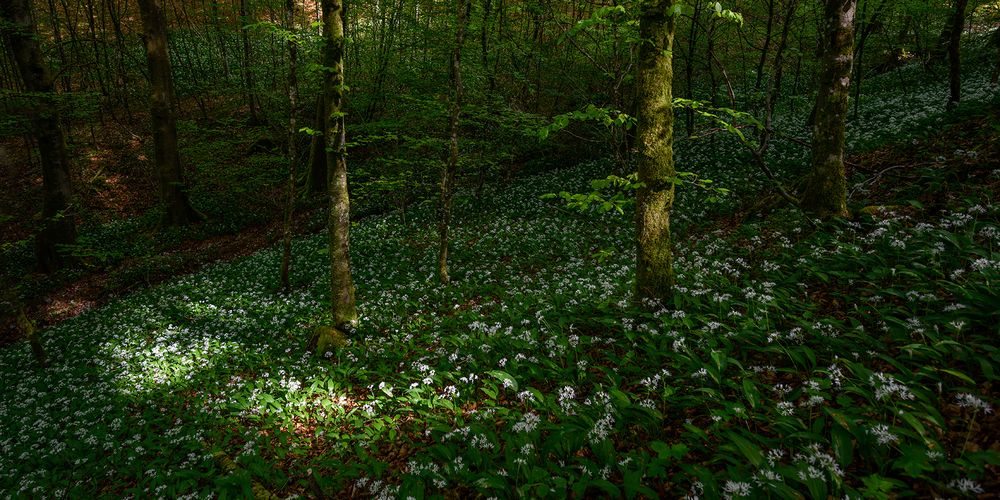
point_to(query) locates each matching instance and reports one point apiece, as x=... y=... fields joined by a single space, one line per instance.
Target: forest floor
x=858 y=358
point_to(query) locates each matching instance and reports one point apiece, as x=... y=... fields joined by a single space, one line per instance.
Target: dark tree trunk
x=767 y=44
x=342 y=300
x=689 y=67
x=169 y=173
x=448 y=175
x=316 y=182
x=996 y=69
x=293 y=153
x=955 y=54
x=825 y=192
x=58 y=225
x=867 y=28
x=654 y=140
x=248 y=84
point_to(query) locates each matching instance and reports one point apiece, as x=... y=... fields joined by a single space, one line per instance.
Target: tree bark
x=689 y=66
x=996 y=69
x=170 y=175
x=316 y=182
x=825 y=192
x=293 y=153
x=955 y=54
x=654 y=138
x=248 y=84
x=767 y=45
x=448 y=175
x=58 y=224
x=342 y=300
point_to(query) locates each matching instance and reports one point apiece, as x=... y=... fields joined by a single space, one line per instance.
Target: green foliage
x=604 y=116
x=617 y=193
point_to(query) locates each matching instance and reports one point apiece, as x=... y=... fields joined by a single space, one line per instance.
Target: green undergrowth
x=856 y=359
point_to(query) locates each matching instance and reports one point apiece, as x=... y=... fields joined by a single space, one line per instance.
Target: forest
x=499 y=249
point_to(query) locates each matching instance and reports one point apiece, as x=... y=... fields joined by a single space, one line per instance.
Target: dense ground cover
x=857 y=359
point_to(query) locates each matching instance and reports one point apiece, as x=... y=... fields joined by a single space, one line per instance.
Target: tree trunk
x=654 y=138
x=58 y=224
x=955 y=55
x=342 y=302
x=293 y=153
x=248 y=84
x=689 y=67
x=448 y=176
x=170 y=175
x=867 y=27
x=996 y=69
x=316 y=182
x=825 y=192
x=767 y=45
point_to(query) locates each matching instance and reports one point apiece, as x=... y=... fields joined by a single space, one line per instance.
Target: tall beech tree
x=58 y=226
x=825 y=191
x=341 y=284
x=655 y=155
x=169 y=173
x=448 y=175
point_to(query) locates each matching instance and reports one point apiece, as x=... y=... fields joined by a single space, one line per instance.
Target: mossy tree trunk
x=58 y=225
x=825 y=191
x=955 y=53
x=448 y=175
x=170 y=175
x=341 y=284
x=654 y=140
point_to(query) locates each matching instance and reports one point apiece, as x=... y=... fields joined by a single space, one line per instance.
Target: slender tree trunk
x=248 y=84
x=654 y=138
x=825 y=193
x=484 y=43
x=996 y=69
x=867 y=28
x=58 y=225
x=57 y=34
x=448 y=175
x=170 y=174
x=316 y=182
x=293 y=153
x=767 y=45
x=955 y=54
x=91 y=21
x=689 y=66
x=342 y=300
x=30 y=332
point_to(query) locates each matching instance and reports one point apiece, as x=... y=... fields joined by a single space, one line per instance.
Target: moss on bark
x=654 y=139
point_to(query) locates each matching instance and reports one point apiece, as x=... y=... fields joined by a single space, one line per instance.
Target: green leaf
x=843 y=445
x=751 y=392
x=749 y=450
x=503 y=377
x=671 y=452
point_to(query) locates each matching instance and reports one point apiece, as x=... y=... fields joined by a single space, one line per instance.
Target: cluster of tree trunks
x=58 y=225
